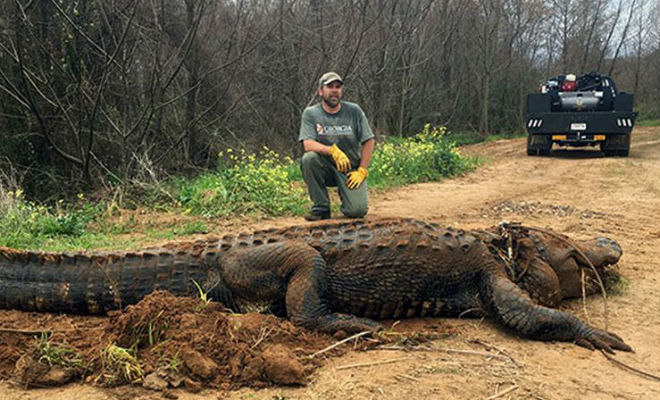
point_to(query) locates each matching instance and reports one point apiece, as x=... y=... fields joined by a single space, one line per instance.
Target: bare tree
x=100 y=92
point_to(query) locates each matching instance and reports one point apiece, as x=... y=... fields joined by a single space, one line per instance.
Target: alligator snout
x=603 y=251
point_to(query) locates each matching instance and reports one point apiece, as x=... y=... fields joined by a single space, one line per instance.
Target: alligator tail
x=93 y=283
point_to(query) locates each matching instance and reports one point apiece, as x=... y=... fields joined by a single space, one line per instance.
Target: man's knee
x=355 y=211
x=310 y=159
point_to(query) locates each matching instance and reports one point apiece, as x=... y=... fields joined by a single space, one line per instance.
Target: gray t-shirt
x=348 y=129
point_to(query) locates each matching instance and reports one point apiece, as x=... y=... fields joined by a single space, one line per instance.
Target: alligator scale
x=339 y=275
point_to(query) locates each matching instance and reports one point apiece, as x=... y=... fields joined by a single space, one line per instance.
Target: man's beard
x=331 y=101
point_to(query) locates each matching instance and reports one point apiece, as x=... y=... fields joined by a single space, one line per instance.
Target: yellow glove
x=356 y=178
x=341 y=161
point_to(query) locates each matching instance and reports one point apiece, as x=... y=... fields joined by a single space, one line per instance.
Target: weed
x=191 y=228
x=204 y=300
x=174 y=363
x=26 y=224
x=427 y=156
x=616 y=284
x=119 y=366
x=156 y=330
x=259 y=185
x=150 y=332
x=57 y=354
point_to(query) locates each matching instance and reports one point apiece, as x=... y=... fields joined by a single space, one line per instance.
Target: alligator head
x=576 y=260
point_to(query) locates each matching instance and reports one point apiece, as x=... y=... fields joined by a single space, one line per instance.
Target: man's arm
x=313 y=145
x=367 y=151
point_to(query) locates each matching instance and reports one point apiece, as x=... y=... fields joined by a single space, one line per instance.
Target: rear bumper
x=578 y=139
x=610 y=141
x=580 y=125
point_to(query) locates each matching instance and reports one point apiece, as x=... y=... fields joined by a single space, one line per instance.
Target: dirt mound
x=164 y=341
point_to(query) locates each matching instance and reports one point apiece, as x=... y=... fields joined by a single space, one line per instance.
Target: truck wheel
x=626 y=148
x=531 y=151
x=538 y=145
x=618 y=145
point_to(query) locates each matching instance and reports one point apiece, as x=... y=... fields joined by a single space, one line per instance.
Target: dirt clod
x=198 y=363
x=56 y=376
x=28 y=370
x=281 y=368
x=154 y=382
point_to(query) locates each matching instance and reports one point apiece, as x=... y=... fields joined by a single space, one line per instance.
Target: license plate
x=578 y=126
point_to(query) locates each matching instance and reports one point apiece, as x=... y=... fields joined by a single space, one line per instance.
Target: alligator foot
x=335 y=322
x=602 y=340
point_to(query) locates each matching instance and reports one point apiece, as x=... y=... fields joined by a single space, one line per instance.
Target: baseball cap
x=330 y=77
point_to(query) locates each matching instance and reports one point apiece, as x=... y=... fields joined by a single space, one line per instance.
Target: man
x=338 y=145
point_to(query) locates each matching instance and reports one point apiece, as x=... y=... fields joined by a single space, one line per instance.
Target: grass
x=204 y=300
x=246 y=184
x=82 y=225
x=648 y=122
x=120 y=365
x=463 y=138
x=616 y=284
x=174 y=363
x=428 y=156
x=505 y=136
x=55 y=354
x=267 y=184
x=258 y=185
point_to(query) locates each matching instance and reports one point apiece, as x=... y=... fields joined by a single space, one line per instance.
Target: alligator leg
x=540 y=281
x=292 y=270
x=511 y=306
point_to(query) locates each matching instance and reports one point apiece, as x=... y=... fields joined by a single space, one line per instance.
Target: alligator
x=339 y=276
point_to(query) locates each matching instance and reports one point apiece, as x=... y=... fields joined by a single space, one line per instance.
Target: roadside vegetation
x=243 y=186
x=464 y=138
x=648 y=122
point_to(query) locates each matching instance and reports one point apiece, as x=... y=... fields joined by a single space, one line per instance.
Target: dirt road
x=580 y=193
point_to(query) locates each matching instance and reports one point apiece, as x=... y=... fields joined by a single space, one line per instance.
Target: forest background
x=100 y=95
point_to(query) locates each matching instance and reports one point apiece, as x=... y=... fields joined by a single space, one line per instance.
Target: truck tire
x=531 y=151
x=616 y=145
x=538 y=145
x=623 y=152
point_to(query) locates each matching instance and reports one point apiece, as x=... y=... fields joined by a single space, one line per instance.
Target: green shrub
x=427 y=156
x=26 y=224
x=263 y=184
x=257 y=185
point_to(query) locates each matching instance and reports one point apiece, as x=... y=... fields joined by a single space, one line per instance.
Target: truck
x=578 y=112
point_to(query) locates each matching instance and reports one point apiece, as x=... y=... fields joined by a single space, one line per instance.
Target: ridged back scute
x=93 y=283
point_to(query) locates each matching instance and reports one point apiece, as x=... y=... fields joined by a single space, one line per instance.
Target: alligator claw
x=350 y=324
x=603 y=340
